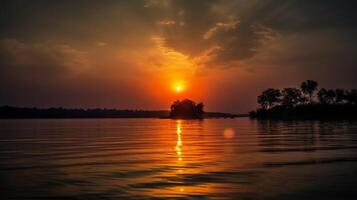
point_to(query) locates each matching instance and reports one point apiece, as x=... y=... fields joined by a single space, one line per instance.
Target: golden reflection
x=228 y=133
x=187 y=162
x=178 y=147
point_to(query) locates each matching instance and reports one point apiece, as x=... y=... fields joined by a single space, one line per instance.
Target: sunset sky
x=133 y=54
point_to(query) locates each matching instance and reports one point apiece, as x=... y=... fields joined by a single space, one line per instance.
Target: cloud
x=225 y=26
x=102 y=44
x=150 y=3
x=167 y=22
x=229 y=32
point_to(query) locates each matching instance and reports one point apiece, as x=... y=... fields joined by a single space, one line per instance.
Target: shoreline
x=9 y=112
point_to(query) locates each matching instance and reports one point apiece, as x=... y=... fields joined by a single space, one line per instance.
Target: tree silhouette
x=340 y=96
x=290 y=103
x=308 y=88
x=186 y=109
x=322 y=96
x=291 y=97
x=199 y=109
x=326 y=96
x=331 y=96
x=269 y=98
x=351 y=97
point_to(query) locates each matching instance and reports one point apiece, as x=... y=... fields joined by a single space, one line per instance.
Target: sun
x=179 y=87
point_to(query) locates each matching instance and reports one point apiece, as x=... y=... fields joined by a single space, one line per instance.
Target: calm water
x=159 y=158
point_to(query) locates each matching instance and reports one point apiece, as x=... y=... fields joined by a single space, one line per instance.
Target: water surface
x=188 y=159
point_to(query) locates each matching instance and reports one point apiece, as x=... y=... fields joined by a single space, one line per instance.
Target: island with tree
x=186 y=109
x=307 y=102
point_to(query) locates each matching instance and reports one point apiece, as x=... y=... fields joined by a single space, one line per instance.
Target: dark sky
x=129 y=54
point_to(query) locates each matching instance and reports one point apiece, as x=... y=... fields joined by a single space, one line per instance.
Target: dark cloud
x=189 y=22
x=76 y=22
x=206 y=26
x=193 y=19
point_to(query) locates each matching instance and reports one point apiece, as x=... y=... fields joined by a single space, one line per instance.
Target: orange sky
x=130 y=54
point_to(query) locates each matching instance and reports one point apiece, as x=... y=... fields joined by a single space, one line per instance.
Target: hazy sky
x=129 y=54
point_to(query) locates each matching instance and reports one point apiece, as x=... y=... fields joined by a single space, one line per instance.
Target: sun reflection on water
x=190 y=169
x=178 y=147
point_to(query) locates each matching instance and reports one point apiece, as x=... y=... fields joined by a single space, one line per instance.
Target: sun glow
x=179 y=87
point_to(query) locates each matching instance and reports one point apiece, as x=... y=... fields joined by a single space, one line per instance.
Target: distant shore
x=10 y=112
x=307 y=102
x=308 y=112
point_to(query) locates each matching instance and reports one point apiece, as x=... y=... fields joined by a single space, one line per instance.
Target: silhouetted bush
x=186 y=109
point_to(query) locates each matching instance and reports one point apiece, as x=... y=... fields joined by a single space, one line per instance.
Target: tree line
x=306 y=100
x=17 y=112
x=308 y=93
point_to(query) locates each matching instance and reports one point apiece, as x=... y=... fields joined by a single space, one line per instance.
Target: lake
x=189 y=159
